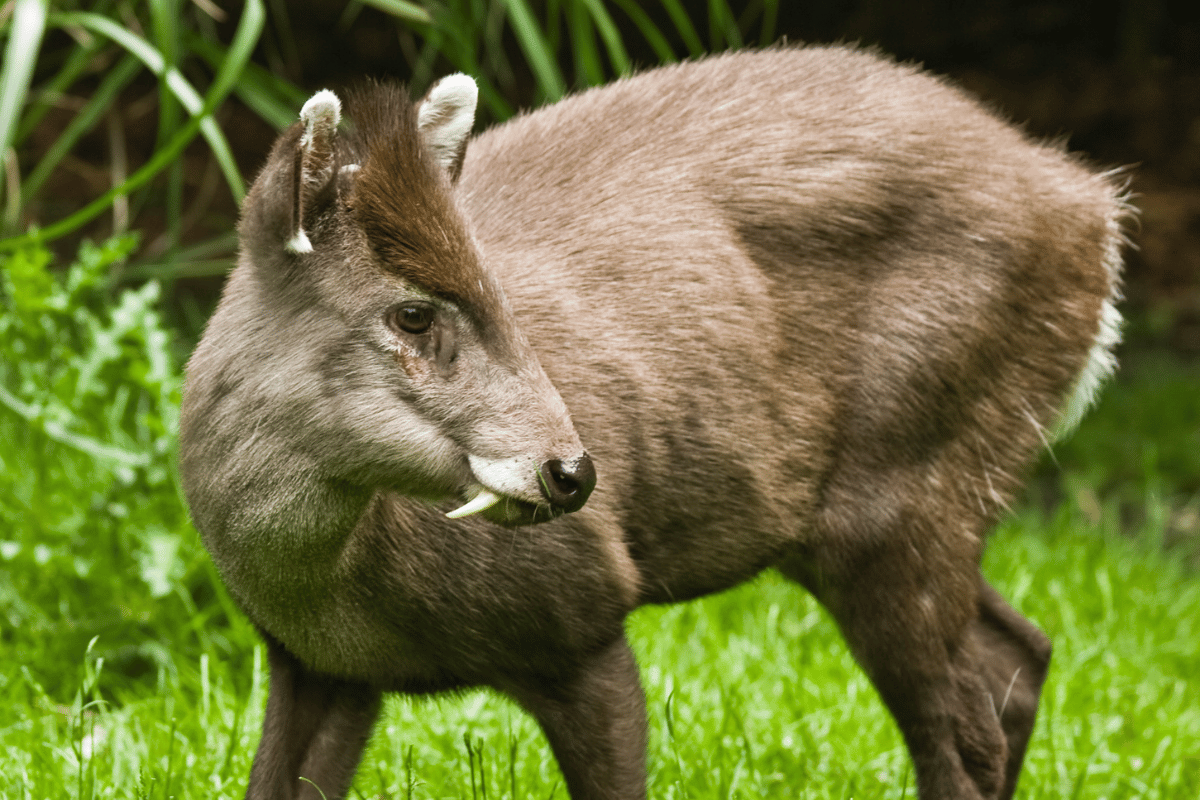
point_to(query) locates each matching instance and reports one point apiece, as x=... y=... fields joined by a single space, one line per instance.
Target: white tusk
x=480 y=502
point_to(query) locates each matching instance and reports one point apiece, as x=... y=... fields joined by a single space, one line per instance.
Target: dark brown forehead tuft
x=403 y=202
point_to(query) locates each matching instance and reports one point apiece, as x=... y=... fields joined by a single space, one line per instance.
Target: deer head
x=363 y=317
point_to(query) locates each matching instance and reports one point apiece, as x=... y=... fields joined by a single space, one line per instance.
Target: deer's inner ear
x=314 y=164
x=445 y=118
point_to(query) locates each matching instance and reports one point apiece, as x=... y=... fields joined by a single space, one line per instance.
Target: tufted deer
x=803 y=308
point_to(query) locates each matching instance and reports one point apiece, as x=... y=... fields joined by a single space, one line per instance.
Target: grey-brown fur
x=806 y=308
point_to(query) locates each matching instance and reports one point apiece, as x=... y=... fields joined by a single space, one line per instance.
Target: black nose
x=566 y=487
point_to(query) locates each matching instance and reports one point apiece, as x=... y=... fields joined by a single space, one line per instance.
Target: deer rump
x=804 y=308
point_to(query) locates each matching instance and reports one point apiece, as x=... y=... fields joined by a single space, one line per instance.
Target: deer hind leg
x=314 y=732
x=1016 y=657
x=959 y=670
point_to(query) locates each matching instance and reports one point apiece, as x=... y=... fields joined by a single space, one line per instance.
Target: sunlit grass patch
x=750 y=694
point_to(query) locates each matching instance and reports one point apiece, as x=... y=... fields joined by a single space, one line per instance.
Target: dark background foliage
x=1119 y=79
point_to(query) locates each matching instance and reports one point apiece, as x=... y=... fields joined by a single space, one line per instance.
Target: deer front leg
x=596 y=725
x=314 y=732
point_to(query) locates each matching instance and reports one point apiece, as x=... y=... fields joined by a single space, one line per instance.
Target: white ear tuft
x=299 y=243
x=445 y=119
x=321 y=114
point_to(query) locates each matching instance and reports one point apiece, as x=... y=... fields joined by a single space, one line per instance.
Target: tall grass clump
x=85 y=58
x=558 y=45
x=74 y=74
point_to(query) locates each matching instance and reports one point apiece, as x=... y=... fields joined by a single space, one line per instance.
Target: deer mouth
x=503 y=509
x=504 y=491
x=498 y=494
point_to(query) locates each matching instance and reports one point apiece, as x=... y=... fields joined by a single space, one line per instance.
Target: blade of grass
x=496 y=103
x=654 y=37
x=611 y=36
x=271 y=97
x=87 y=118
x=282 y=36
x=451 y=36
x=43 y=97
x=750 y=12
x=588 y=69
x=495 y=54
x=770 y=17
x=684 y=27
x=446 y=38
x=420 y=66
x=173 y=79
x=533 y=45
x=163 y=18
x=554 y=9
x=248 y=31
x=478 y=10
x=76 y=63
x=118 y=168
x=20 y=57
x=12 y=186
x=409 y=13
x=199 y=260
x=349 y=14
x=722 y=26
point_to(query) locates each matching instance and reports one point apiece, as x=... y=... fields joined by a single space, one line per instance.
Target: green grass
x=751 y=694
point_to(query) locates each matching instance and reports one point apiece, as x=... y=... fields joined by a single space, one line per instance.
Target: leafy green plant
x=95 y=539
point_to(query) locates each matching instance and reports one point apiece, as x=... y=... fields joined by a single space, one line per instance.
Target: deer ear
x=445 y=118
x=313 y=164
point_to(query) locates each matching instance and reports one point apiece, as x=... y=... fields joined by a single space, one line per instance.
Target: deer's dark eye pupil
x=414 y=318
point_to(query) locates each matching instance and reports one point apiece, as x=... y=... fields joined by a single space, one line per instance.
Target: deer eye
x=414 y=318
